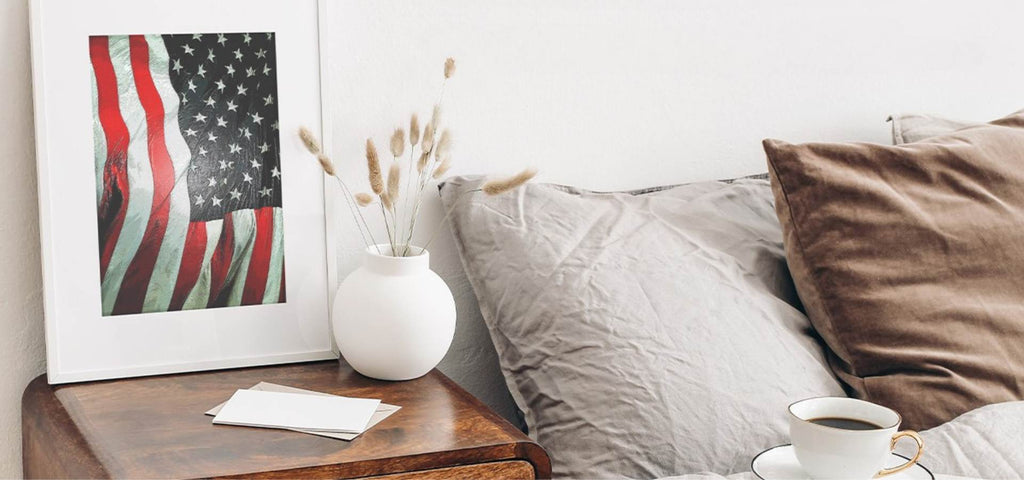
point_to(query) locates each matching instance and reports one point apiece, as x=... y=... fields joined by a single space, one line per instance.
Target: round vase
x=393 y=317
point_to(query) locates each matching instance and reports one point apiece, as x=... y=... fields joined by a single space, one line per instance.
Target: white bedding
x=751 y=476
x=984 y=443
x=625 y=368
x=987 y=443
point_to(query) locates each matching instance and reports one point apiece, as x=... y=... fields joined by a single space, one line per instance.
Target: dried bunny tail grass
x=444 y=144
x=373 y=165
x=442 y=168
x=428 y=138
x=394 y=177
x=385 y=200
x=497 y=187
x=398 y=142
x=414 y=130
x=309 y=140
x=363 y=199
x=326 y=164
x=435 y=117
x=424 y=159
x=449 y=67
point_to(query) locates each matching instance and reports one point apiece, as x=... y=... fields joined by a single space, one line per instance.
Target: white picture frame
x=87 y=338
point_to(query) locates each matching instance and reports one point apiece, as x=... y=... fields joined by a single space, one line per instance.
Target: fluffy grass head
x=449 y=67
x=373 y=167
x=363 y=199
x=394 y=178
x=309 y=140
x=398 y=143
x=503 y=185
x=414 y=130
x=326 y=164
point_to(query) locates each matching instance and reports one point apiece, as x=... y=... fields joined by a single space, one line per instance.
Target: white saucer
x=779 y=463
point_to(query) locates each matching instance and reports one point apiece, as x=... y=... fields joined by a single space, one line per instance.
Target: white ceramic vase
x=394 y=318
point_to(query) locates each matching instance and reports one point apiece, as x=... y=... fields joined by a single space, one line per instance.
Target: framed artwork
x=182 y=225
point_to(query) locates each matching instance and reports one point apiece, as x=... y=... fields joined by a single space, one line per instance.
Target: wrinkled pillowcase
x=646 y=333
x=908 y=260
x=913 y=127
x=982 y=443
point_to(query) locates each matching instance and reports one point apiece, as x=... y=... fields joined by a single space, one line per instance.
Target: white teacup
x=846 y=438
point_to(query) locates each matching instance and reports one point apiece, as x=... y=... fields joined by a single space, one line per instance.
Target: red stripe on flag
x=136 y=280
x=259 y=260
x=221 y=260
x=191 y=264
x=114 y=201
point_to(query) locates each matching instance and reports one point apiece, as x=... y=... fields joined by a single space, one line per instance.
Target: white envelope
x=384 y=410
x=257 y=408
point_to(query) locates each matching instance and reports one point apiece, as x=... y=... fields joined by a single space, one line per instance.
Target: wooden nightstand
x=155 y=427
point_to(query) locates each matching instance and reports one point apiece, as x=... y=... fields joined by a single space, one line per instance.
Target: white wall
x=612 y=94
x=21 y=301
x=597 y=93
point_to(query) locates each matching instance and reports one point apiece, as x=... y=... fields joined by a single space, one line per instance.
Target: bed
x=663 y=331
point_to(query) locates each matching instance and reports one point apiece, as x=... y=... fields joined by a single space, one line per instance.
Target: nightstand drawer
x=511 y=470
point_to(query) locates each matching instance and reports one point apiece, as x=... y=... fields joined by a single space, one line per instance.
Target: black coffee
x=845 y=423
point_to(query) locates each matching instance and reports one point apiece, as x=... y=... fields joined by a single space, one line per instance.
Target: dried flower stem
x=427 y=144
x=313 y=145
x=414 y=139
x=377 y=185
x=431 y=162
x=391 y=238
x=397 y=149
x=416 y=208
x=357 y=214
x=408 y=188
x=393 y=195
x=426 y=165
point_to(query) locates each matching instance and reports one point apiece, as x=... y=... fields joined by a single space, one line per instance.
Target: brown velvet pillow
x=910 y=262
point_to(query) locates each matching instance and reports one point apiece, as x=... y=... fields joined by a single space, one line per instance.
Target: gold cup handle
x=895 y=438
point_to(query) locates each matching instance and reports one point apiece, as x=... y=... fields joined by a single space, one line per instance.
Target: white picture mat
x=82 y=344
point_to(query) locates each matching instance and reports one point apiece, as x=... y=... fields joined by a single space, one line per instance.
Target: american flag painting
x=188 y=171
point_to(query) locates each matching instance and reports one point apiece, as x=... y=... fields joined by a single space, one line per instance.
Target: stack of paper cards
x=276 y=406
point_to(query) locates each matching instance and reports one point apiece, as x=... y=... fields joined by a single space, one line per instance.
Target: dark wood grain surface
x=154 y=427
x=509 y=470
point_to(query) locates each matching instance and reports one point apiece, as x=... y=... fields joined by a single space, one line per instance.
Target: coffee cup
x=846 y=438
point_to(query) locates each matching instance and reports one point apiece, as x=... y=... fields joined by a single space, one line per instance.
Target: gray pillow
x=913 y=127
x=646 y=333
